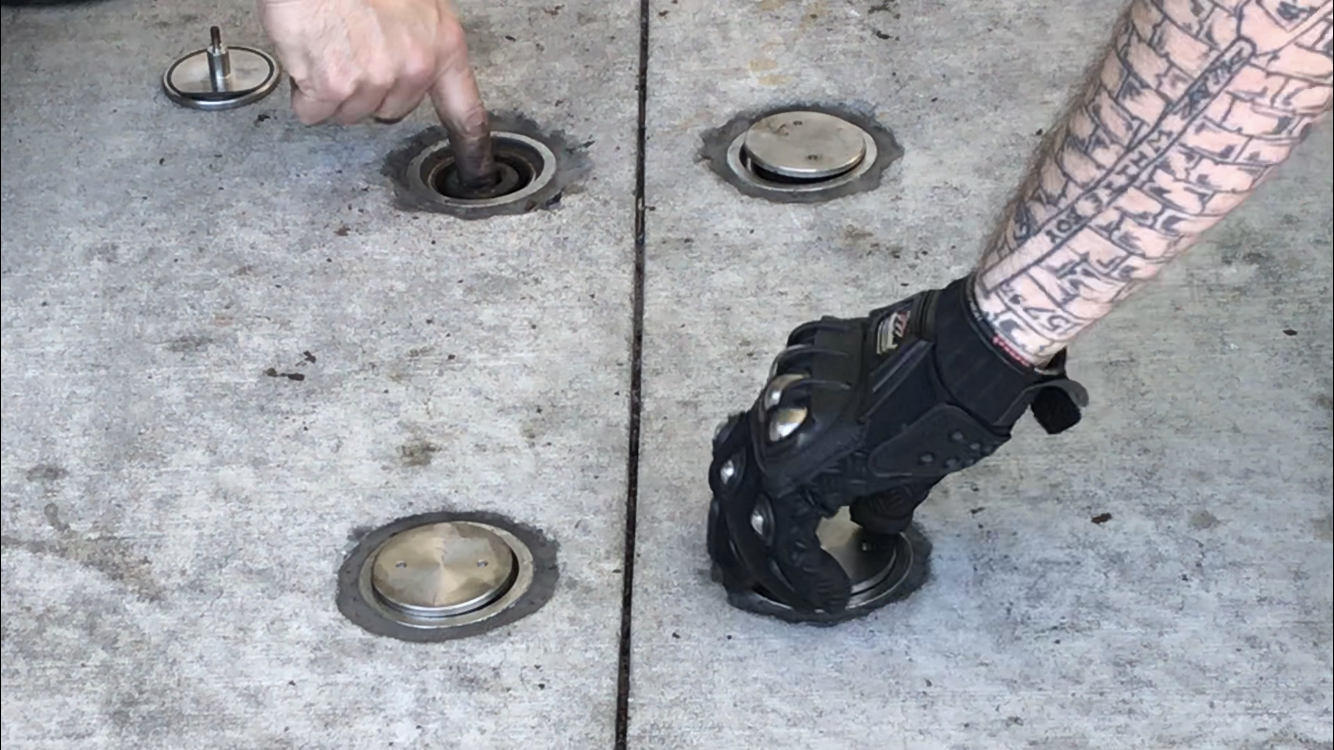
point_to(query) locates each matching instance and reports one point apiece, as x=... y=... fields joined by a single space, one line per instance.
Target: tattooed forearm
x=1196 y=102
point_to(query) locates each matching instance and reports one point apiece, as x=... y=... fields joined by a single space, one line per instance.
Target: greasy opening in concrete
x=801 y=153
x=517 y=167
x=536 y=169
x=523 y=165
x=444 y=576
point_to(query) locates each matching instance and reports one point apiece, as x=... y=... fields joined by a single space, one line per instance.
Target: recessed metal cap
x=443 y=570
x=221 y=77
x=805 y=145
x=866 y=558
x=462 y=574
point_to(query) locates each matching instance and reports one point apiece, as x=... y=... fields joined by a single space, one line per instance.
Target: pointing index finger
x=458 y=104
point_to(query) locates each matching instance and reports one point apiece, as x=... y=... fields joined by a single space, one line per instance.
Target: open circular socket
x=525 y=168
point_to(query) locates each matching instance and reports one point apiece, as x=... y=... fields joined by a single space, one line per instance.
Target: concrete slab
x=173 y=517
x=1198 y=616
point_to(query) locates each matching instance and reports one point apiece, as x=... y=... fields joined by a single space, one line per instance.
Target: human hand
x=870 y=413
x=354 y=59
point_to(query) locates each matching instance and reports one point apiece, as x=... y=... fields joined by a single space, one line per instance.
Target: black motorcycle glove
x=870 y=413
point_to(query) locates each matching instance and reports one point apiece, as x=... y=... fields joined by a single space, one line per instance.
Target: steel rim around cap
x=249 y=97
x=546 y=173
x=738 y=167
x=522 y=581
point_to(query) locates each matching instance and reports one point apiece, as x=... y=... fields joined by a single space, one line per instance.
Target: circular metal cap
x=805 y=145
x=442 y=591
x=443 y=570
x=221 y=77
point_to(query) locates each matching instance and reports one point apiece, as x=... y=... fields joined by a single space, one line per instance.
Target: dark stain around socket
x=572 y=164
x=716 y=142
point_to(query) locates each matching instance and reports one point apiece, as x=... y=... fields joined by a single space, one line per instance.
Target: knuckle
x=419 y=68
x=337 y=88
x=453 y=40
x=379 y=78
x=307 y=110
x=380 y=83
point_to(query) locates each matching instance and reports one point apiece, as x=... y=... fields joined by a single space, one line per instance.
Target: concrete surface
x=1198 y=616
x=173 y=518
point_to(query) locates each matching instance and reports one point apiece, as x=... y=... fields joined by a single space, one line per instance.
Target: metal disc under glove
x=805 y=145
x=880 y=568
x=221 y=77
x=443 y=570
x=867 y=559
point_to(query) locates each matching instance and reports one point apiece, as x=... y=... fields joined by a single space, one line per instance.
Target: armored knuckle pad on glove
x=870 y=412
x=909 y=394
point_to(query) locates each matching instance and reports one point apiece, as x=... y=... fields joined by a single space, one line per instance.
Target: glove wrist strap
x=984 y=378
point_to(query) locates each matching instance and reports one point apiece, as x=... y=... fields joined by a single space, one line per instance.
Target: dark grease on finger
x=474 y=161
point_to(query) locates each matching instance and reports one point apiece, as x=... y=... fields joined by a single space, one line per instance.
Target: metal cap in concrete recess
x=443 y=576
x=443 y=569
x=868 y=559
x=802 y=153
x=804 y=145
